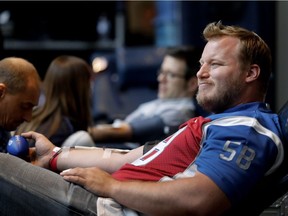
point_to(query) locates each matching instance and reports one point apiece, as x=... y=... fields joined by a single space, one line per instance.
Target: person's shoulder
x=254 y=110
x=148 y=103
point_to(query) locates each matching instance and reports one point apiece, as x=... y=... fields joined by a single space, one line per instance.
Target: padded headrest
x=283 y=117
x=138 y=66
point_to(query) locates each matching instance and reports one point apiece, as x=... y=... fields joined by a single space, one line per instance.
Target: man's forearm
x=187 y=196
x=109 y=160
x=111 y=133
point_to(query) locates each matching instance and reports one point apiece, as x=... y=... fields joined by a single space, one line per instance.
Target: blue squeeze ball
x=18 y=146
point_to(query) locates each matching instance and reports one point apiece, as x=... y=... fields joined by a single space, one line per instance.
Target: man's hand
x=42 y=152
x=93 y=179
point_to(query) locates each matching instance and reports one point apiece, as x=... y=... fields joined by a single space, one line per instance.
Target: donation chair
x=278 y=195
x=267 y=199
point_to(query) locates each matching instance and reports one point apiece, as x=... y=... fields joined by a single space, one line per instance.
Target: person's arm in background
x=162 y=125
x=142 y=129
x=107 y=159
x=111 y=132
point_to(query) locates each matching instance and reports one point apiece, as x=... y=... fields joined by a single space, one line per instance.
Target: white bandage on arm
x=107 y=153
x=65 y=152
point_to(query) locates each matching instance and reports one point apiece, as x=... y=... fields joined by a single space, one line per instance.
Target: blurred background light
x=99 y=64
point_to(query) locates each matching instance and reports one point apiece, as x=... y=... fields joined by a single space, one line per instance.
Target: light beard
x=223 y=97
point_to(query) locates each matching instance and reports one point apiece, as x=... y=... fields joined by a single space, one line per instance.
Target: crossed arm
x=110 y=132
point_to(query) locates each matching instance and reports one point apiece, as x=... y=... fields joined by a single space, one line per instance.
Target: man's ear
x=253 y=73
x=2 y=90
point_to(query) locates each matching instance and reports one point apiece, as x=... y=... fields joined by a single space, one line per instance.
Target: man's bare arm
x=196 y=195
x=107 y=159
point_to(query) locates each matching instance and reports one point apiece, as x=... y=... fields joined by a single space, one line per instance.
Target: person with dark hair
x=19 y=93
x=67 y=105
x=214 y=165
x=159 y=118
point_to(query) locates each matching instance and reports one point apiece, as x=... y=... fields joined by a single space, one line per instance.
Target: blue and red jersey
x=235 y=149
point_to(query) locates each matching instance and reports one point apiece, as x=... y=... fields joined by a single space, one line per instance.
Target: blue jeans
x=26 y=189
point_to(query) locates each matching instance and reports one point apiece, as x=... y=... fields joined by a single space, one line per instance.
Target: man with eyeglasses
x=157 y=119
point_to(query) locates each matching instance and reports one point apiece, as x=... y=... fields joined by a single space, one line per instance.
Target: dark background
x=39 y=30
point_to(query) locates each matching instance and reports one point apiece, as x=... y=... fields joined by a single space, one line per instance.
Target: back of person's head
x=16 y=72
x=190 y=55
x=66 y=87
x=253 y=50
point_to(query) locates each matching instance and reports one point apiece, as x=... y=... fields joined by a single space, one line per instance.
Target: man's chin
x=205 y=103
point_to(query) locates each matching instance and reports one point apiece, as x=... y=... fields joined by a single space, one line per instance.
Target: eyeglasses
x=170 y=75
